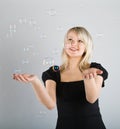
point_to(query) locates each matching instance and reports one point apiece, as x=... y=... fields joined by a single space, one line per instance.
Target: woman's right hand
x=27 y=78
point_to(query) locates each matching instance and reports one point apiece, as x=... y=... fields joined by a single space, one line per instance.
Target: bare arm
x=46 y=95
x=93 y=84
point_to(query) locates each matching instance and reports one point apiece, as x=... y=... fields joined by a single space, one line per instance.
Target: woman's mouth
x=73 y=49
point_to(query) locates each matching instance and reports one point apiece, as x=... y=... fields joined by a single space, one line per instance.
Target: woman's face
x=74 y=46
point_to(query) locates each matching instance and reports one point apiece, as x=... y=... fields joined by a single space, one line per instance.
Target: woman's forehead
x=73 y=34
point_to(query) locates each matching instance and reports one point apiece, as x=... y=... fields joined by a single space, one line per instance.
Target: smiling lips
x=73 y=49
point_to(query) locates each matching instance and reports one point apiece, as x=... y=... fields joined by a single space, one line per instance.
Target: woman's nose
x=74 y=43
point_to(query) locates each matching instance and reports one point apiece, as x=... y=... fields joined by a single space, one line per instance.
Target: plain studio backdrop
x=31 y=39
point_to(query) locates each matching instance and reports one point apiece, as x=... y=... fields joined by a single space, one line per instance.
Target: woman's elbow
x=91 y=100
x=51 y=107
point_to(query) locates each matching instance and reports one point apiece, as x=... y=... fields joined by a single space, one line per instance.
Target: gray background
x=31 y=39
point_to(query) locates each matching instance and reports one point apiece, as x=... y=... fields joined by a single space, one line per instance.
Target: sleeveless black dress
x=74 y=111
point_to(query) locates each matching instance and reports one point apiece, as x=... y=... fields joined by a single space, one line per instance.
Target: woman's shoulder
x=51 y=73
x=52 y=69
x=95 y=64
x=101 y=67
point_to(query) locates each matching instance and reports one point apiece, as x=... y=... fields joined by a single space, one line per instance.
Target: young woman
x=75 y=86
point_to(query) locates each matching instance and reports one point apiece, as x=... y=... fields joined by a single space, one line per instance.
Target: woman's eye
x=69 y=39
x=80 y=41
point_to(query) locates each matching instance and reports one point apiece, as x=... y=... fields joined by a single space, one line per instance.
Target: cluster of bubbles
x=29 y=21
x=32 y=22
x=51 y=12
x=11 y=30
x=48 y=61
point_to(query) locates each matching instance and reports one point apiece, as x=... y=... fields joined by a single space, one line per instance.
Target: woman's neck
x=73 y=64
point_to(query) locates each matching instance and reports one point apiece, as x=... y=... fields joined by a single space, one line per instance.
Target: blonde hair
x=87 y=40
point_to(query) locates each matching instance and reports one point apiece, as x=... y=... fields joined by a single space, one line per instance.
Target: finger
x=22 y=78
x=28 y=79
x=13 y=76
x=94 y=74
x=17 y=78
x=87 y=76
x=99 y=71
x=91 y=75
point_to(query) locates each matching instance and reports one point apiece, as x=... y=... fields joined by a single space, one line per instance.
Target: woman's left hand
x=91 y=73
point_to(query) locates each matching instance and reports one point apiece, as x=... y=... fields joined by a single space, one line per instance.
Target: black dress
x=74 y=111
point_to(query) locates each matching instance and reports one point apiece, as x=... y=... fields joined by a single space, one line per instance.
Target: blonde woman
x=75 y=86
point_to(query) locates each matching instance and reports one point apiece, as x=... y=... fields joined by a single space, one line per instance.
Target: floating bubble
x=12 y=26
x=56 y=51
x=37 y=28
x=36 y=53
x=55 y=68
x=99 y=34
x=12 y=29
x=9 y=35
x=60 y=28
x=43 y=36
x=43 y=112
x=32 y=21
x=26 y=61
x=52 y=12
x=23 y=20
x=20 y=21
x=26 y=49
x=48 y=61
x=17 y=70
x=30 y=46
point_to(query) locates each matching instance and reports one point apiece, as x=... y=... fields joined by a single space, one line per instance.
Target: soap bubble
x=23 y=20
x=26 y=49
x=60 y=28
x=35 y=53
x=37 y=28
x=56 y=51
x=26 y=61
x=17 y=70
x=32 y=21
x=99 y=34
x=41 y=114
x=52 y=12
x=11 y=31
x=43 y=36
x=48 y=61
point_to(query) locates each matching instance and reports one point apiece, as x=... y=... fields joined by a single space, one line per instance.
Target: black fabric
x=50 y=74
x=104 y=74
x=74 y=111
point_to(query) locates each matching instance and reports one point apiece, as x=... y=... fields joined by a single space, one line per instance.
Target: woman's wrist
x=35 y=80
